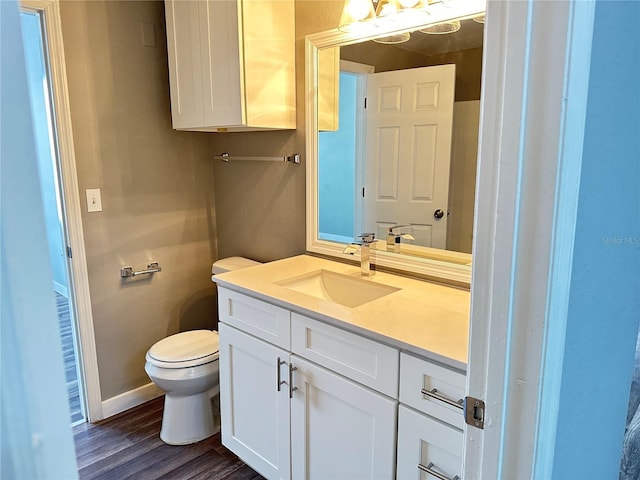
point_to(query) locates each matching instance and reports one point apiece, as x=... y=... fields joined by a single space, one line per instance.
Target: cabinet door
x=424 y=444
x=254 y=414
x=185 y=64
x=339 y=429
x=221 y=78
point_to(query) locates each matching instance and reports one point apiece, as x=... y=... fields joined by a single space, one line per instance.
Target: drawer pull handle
x=434 y=394
x=429 y=469
x=291 y=387
x=280 y=382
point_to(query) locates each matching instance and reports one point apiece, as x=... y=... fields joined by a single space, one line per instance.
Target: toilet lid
x=191 y=348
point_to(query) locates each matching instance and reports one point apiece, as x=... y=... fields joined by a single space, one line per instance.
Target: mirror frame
x=437 y=269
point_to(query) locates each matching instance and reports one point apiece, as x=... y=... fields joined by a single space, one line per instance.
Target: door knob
x=438 y=214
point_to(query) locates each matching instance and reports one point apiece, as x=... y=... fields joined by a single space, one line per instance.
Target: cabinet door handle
x=429 y=469
x=280 y=382
x=433 y=393
x=291 y=387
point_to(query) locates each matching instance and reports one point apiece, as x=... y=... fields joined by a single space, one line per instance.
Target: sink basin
x=337 y=288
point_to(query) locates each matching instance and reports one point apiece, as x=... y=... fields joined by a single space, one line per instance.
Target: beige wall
x=462 y=176
x=383 y=57
x=156 y=183
x=261 y=206
x=468 y=71
x=388 y=57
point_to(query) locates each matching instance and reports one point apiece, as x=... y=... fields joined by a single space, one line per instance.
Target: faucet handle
x=368 y=237
x=392 y=229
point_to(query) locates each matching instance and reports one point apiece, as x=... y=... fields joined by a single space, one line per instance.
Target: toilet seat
x=186 y=349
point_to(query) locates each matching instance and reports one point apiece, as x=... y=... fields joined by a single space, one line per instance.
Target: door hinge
x=69 y=252
x=365 y=102
x=362 y=192
x=473 y=411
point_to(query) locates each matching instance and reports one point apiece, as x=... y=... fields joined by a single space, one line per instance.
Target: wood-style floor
x=70 y=358
x=128 y=446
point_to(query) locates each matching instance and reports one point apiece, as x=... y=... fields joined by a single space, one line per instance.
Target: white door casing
x=409 y=119
x=361 y=70
x=534 y=93
x=79 y=277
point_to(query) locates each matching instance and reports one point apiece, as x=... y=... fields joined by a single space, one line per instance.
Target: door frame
x=535 y=84
x=361 y=70
x=74 y=237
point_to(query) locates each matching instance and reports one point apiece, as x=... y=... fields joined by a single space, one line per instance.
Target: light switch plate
x=94 y=202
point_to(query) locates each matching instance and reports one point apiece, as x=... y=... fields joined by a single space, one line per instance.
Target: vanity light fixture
x=394 y=38
x=369 y=17
x=442 y=28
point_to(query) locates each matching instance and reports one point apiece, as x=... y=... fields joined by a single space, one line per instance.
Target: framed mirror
x=392 y=128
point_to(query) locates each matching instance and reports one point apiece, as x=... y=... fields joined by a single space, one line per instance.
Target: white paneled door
x=409 y=122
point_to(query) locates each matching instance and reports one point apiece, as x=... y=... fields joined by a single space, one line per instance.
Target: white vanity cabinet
x=430 y=421
x=231 y=64
x=288 y=417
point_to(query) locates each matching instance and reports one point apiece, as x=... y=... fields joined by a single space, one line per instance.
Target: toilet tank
x=231 y=263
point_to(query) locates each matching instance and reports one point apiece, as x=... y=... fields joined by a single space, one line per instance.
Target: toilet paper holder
x=152 y=267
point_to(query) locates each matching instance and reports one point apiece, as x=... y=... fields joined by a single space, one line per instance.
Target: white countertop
x=423 y=318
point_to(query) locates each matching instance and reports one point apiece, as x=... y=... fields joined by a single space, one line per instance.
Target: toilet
x=185 y=367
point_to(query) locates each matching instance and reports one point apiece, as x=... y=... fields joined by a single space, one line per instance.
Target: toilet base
x=187 y=419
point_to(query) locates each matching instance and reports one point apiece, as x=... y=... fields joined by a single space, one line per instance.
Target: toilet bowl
x=185 y=367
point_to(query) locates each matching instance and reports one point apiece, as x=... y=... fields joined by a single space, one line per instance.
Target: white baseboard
x=130 y=399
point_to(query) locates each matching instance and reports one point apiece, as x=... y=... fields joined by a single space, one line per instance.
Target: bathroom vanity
x=326 y=374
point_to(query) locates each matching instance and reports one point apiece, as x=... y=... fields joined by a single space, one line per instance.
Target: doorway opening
x=44 y=126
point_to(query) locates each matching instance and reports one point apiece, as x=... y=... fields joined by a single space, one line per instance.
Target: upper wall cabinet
x=328 y=89
x=231 y=64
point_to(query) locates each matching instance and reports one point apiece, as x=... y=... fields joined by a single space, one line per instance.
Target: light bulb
x=387 y=9
x=358 y=9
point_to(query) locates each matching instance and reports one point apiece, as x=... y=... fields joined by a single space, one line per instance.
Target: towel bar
x=225 y=157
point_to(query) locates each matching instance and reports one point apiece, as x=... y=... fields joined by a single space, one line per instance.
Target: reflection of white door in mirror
x=409 y=117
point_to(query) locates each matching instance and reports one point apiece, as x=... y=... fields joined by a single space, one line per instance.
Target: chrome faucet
x=393 y=238
x=365 y=252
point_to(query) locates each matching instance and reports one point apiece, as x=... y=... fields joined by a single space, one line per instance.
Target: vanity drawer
x=424 y=444
x=258 y=318
x=417 y=374
x=365 y=361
